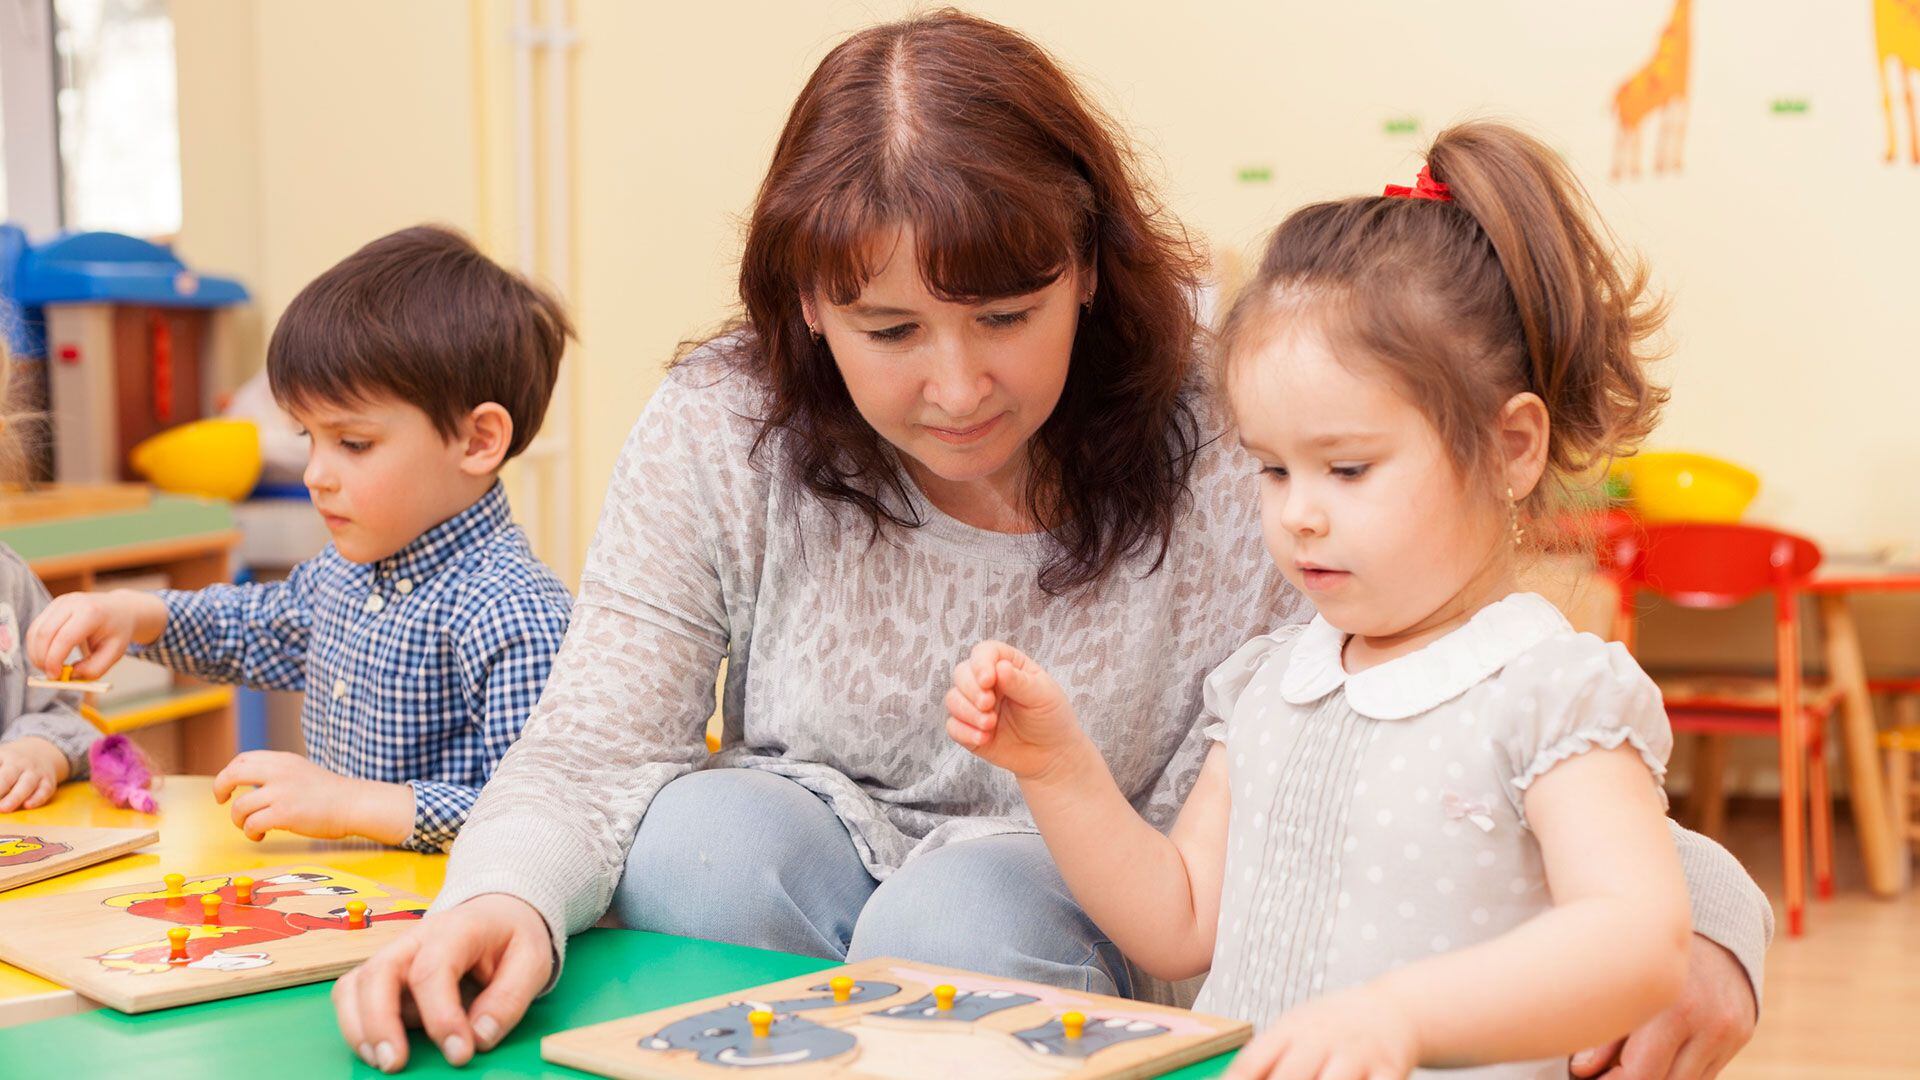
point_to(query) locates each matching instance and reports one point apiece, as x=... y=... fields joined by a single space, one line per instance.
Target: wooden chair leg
x=1707 y=804
x=1822 y=805
x=1793 y=758
x=1900 y=807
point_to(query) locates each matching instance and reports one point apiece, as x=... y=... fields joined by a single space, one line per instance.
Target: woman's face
x=959 y=388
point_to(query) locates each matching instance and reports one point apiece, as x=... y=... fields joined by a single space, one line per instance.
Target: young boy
x=423 y=634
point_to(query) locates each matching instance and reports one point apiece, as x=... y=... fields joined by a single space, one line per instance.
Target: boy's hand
x=100 y=624
x=292 y=793
x=1009 y=711
x=30 y=768
x=1357 y=1034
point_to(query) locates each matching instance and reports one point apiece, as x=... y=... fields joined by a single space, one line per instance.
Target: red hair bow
x=1424 y=187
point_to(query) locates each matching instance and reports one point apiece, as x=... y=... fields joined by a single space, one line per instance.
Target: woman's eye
x=1350 y=472
x=354 y=446
x=1001 y=320
x=1274 y=472
x=891 y=333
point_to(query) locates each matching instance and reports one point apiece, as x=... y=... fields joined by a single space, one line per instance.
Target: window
x=118 y=117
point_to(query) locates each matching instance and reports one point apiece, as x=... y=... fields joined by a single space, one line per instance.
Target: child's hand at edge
x=1357 y=1034
x=292 y=793
x=101 y=625
x=1009 y=712
x=30 y=768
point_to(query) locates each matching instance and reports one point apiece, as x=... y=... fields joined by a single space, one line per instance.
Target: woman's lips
x=962 y=436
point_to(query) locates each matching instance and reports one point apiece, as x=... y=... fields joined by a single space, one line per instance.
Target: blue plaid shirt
x=420 y=668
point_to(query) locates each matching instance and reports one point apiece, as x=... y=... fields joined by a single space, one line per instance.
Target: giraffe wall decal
x=1896 y=34
x=1659 y=86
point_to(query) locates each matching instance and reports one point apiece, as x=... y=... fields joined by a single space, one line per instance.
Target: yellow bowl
x=219 y=459
x=1678 y=486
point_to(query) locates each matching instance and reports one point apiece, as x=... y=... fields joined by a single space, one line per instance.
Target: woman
x=960 y=404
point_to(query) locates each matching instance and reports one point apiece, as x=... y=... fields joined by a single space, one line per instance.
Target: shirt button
x=375 y=603
x=403 y=586
x=339 y=689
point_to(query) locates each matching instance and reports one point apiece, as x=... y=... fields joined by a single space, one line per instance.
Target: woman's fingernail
x=488 y=1032
x=456 y=1050
x=384 y=1056
x=366 y=1054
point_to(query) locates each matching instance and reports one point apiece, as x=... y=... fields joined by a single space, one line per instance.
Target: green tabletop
x=290 y=1034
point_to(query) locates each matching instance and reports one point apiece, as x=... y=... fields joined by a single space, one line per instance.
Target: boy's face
x=381 y=474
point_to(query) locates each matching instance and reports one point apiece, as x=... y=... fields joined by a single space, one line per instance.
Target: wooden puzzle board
x=111 y=944
x=890 y=1027
x=31 y=853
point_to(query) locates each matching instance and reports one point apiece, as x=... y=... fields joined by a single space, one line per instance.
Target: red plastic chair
x=1718 y=566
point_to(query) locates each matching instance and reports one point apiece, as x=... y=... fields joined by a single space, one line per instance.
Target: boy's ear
x=485 y=436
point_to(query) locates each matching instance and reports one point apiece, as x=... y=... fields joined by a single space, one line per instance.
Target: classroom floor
x=1842 y=1001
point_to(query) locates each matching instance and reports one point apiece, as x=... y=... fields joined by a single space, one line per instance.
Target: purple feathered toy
x=122 y=773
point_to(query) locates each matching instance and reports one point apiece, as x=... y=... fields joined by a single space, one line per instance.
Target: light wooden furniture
x=1832 y=587
x=1902 y=746
x=30 y=854
x=193 y=728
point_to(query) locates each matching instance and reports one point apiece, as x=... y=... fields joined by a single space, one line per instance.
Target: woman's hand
x=1009 y=711
x=495 y=940
x=1357 y=1034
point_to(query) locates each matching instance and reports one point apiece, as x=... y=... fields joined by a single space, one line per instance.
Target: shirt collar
x=434 y=549
x=1428 y=677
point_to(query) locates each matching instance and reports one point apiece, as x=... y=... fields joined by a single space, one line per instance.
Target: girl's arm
x=1611 y=953
x=1157 y=896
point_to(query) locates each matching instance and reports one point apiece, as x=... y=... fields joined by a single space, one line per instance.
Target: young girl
x=43 y=738
x=1430 y=828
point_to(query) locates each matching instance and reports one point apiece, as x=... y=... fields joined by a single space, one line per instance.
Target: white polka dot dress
x=1378 y=818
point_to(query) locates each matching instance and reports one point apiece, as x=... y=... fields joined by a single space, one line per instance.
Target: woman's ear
x=485 y=436
x=1524 y=429
x=810 y=312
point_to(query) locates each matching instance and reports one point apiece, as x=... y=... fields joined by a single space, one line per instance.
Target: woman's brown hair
x=970 y=134
x=1510 y=286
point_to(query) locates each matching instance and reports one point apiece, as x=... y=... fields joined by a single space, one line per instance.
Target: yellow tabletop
x=196 y=837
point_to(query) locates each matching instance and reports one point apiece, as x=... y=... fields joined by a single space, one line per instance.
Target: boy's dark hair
x=423 y=316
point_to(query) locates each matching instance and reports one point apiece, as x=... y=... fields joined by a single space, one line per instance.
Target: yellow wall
x=1786 y=242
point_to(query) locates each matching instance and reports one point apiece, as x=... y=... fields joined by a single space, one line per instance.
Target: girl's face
x=959 y=388
x=1360 y=504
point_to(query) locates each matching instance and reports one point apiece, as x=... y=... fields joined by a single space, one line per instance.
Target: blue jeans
x=752 y=858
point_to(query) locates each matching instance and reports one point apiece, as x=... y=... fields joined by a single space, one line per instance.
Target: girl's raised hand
x=1009 y=711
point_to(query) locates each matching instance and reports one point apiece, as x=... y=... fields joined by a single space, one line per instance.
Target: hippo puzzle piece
x=34 y=852
x=898 y=1020
x=199 y=937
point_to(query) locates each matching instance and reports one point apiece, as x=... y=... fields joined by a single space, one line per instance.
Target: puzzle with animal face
x=199 y=937
x=34 y=852
x=899 y=1020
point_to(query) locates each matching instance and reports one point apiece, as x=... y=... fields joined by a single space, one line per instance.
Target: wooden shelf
x=148 y=709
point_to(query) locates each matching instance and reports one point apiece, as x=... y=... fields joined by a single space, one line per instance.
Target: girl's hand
x=1009 y=711
x=1357 y=1034
x=101 y=625
x=30 y=768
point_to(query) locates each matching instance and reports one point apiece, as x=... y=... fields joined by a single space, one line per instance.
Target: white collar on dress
x=1428 y=677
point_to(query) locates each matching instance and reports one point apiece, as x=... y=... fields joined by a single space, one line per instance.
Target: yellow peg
x=175 y=882
x=842 y=988
x=177 y=944
x=210 y=908
x=943 y=997
x=762 y=1022
x=1072 y=1024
